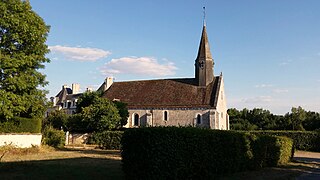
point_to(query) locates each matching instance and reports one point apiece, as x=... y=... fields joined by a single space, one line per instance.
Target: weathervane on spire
x=204 y=15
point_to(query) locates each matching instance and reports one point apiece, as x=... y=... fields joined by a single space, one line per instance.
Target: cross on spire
x=204 y=15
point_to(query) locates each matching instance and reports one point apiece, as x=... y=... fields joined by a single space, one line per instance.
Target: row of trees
x=261 y=119
x=93 y=114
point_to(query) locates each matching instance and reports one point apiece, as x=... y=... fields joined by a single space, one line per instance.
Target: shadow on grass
x=292 y=170
x=307 y=160
x=74 y=168
x=93 y=151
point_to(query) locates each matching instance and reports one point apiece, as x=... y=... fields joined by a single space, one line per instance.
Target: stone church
x=198 y=101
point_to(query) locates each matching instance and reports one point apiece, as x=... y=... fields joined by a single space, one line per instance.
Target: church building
x=198 y=101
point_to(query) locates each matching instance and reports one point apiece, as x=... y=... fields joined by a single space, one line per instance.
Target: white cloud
x=280 y=90
x=263 y=85
x=285 y=62
x=147 y=66
x=258 y=99
x=79 y=53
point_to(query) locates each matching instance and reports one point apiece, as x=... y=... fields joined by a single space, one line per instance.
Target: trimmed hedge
x=107 y=139
x=183 y=153
x=302 y=140
x=194 y=153
x=271 y=151
x=21 y=125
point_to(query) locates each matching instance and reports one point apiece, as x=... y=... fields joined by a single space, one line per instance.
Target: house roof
x=165 y=93
x=66 y=94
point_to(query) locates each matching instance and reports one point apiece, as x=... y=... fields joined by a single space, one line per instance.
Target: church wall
x=176 y=117
x=222 y=116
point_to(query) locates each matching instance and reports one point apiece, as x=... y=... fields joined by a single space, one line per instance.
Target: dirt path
x=312 y=159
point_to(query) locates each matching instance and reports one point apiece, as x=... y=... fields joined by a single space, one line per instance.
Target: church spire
x=204 y=62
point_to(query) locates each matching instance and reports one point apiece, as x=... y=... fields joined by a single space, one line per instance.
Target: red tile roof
x=165 y=93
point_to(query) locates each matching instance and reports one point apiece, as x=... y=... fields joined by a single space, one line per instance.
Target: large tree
x=22 y=53
x=298 y=115
x=98 y=114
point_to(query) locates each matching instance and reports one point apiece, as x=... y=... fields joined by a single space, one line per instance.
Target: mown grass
x=61 y=164
x=71 y=163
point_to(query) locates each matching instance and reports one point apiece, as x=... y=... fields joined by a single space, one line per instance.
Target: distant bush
x=302 y=140
x=271 y=151
x=21 y=125
x=107 y=139
x=183 y=153
x=53 y=137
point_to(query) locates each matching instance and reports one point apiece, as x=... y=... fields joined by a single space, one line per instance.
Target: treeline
x=261 y=119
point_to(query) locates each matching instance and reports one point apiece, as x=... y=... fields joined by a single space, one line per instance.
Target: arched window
x=199 y=119
x=165 y=115
x=135 y=119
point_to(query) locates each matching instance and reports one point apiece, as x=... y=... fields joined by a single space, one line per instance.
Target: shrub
x=183 y=153
x=271 y=151
x=53 y=137
x=21 y=125
x=302 y=140
x=107 y=139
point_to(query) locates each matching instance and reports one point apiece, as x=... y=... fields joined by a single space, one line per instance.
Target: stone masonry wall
x=176 y=117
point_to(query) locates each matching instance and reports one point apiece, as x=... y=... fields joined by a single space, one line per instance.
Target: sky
x=267 y=50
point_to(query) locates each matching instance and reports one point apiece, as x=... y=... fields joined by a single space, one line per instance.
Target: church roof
x=165 y=93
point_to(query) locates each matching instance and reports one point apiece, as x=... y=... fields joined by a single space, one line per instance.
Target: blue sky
x=268 y=50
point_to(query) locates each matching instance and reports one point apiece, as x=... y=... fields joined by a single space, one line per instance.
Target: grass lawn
x=71 y=163
x=61 y=164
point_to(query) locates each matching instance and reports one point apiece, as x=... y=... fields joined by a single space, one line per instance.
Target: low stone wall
x=77 y=138
x=21 y=140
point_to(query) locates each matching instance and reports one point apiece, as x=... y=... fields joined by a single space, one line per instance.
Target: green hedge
x=53 y=137
x=21 y=125
x=107 y=139
x=271 y=151
x=302 y=140
x=183 y=153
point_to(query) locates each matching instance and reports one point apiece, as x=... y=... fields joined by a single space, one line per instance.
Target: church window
x=222 y=115
x=221 y=95
x=198 y=119
x=165 y=115
x=201 y=64
x=135 y=119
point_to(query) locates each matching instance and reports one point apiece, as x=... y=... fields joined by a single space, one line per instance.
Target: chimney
x=89 y=89
x=75 y=88
x=107 y=83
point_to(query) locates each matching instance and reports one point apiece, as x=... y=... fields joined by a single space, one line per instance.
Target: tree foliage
x=87 y=99
x=22 y=53
x=260 y=119
x=101 y=115
x=123 y=111
x=96 y=114
x=56 y=119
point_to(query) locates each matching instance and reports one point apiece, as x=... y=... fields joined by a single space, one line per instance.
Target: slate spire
x=204 y=62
